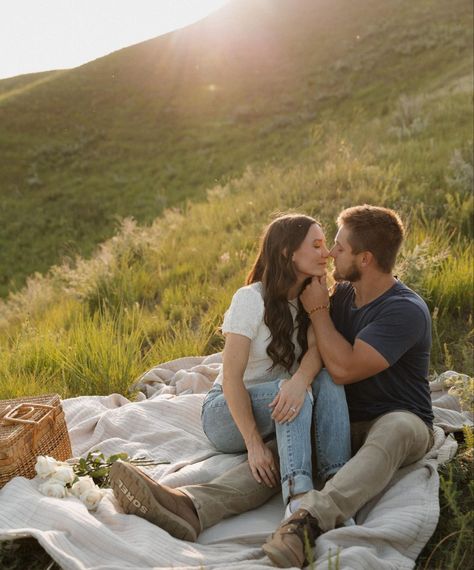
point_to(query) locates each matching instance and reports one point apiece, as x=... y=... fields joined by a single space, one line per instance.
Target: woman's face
x=310 y=259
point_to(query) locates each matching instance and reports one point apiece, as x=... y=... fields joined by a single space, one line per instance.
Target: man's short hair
x=375 y=229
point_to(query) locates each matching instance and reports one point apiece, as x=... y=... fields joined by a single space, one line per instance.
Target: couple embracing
x=337 y=382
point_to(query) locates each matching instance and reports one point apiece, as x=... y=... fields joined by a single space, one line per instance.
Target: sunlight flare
x=58 y=34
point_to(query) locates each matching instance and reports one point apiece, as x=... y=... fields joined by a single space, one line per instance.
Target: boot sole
x=136 y=498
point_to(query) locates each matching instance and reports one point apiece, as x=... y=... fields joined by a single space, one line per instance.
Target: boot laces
x=304 y=525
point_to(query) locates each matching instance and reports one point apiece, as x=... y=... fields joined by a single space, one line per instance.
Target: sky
x=40 y=35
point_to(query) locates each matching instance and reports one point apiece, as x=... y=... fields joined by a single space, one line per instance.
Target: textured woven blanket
x=164 y=424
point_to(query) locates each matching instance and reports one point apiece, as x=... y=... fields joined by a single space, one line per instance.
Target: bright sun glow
x=39 y=35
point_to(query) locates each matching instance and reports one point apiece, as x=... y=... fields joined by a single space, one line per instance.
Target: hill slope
x=148 y=126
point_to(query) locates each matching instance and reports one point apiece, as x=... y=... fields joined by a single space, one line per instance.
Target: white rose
x=83 y=485
x=91 y=498
x=46 y=466
x=53 y=488
x=64 y=474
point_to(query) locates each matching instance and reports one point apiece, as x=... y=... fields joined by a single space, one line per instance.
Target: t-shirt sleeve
x=245 y=314
x=396 y=329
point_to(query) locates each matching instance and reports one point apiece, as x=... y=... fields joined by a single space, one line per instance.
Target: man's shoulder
x=403 y=297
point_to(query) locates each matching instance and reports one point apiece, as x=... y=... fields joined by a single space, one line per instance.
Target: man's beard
x=352 y=274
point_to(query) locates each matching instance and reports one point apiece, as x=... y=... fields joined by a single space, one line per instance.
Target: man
x=376 y=341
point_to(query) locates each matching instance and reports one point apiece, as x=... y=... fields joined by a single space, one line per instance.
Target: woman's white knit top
x=245 y=317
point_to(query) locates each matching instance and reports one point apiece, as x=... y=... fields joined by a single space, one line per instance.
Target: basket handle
x=25 y=411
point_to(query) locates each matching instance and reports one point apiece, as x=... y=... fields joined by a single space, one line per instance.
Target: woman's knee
x=324 y=381
x=308 y=400
x=263 y=394
x=307 y=406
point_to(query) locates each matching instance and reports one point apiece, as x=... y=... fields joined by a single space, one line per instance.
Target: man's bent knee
x=405 y=429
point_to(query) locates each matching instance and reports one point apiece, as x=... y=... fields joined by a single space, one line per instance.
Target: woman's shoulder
x=252 y=291
x=245 y=312
x=249 y=295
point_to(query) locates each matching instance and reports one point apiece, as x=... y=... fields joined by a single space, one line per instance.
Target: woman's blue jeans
x=326 y=404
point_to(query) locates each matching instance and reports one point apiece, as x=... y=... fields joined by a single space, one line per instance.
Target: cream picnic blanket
x=165 y=424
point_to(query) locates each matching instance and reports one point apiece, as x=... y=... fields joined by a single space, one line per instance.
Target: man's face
x=345 y=262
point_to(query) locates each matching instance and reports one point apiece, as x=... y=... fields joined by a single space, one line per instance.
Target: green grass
x=451 y=547
x=159 y=291
x=139 y=131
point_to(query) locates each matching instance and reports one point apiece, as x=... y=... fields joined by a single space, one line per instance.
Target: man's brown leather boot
x=286 y=546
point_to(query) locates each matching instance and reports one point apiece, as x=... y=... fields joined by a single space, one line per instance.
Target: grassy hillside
x=145 y=295
x=152 y=125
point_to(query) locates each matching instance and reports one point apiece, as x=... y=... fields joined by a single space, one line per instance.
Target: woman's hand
x=262 y=464
x=289 y=400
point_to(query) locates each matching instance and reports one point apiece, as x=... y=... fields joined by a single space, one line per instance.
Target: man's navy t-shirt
x=398 y=325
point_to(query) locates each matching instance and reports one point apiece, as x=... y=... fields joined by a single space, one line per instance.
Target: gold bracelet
x=318 y=308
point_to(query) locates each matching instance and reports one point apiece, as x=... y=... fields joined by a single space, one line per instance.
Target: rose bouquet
x=83 y=478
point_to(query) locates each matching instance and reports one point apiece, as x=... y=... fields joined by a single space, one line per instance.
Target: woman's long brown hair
x=274 y=268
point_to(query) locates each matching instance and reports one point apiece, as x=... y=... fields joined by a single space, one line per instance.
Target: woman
x=270 y=361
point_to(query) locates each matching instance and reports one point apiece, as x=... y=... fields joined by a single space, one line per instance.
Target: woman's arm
x=235 y=359
x=293 y=392
x=311 y=362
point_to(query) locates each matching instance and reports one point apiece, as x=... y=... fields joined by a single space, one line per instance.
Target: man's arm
x=346 y=363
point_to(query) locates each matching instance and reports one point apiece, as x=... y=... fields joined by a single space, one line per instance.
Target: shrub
x=408 y=120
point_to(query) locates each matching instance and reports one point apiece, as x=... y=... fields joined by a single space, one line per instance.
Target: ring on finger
x=293 y=409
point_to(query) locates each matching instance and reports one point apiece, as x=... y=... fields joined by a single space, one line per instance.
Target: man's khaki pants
x=381 y=446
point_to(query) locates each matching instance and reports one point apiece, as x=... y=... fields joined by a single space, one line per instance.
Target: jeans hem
x=296 y=484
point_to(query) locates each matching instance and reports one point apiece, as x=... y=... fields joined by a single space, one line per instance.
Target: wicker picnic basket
x=30 y=427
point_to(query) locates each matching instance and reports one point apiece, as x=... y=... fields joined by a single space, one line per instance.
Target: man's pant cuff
x=198 y=507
